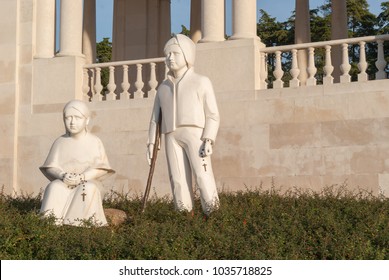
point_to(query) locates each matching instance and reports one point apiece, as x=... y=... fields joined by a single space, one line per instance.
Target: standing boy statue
x=190 y=122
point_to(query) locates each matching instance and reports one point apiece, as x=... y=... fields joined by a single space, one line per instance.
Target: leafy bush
x=253 y=224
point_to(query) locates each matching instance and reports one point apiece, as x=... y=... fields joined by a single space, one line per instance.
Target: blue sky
x=281 y=9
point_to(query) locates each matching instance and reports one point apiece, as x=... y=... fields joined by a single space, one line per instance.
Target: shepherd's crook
x=153 y=160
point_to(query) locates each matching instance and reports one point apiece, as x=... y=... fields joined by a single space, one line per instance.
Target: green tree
x=185 y=31
x=320 y=24
x=383 y=19
x=104 y=51
x=104 y=54
x=272 y=32
x=383 y=25
x=361 y=22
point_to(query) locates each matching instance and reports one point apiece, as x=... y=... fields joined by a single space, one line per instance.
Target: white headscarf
x=81 y=107
x=78 y=105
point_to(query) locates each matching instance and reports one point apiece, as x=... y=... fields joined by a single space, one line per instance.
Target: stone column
x=338 y=31
x=302 y=35
x=45 y=29
x=195 y=20
x=140 y=28
x=89 y=31
x=212 y=20
x=164 y=30
x=244 y=19
x=71 y=28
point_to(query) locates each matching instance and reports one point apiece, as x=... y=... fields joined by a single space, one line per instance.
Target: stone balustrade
x=144 y=74
x=273 y=59
x=140 y=78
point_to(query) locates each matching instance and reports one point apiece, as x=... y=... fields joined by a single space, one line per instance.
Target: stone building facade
x=305 y=135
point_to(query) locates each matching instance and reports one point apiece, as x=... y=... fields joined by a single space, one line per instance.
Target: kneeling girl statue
x=190 y=122
x=75 y=165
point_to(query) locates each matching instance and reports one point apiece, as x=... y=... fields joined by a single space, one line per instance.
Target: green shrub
x=253 y=224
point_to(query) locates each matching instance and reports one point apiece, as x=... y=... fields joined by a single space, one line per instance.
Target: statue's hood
x=187 y=46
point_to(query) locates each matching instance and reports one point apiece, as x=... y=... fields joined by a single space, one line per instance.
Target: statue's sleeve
x=211 y=111
x=102 y=161
x=52 y=160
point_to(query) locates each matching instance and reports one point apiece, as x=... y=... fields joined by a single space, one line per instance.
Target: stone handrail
x=309 y=52
x=93 y=89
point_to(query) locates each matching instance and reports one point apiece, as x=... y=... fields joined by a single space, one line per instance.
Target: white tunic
x=190 y=102
x=71 y=206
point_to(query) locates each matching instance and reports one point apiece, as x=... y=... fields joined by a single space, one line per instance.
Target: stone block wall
x=8 y=84
x=311 y=138
x=16 y=49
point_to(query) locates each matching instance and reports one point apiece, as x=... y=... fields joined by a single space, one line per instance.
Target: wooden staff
x=153 y=160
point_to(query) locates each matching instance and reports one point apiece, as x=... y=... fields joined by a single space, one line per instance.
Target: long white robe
x=71 y=206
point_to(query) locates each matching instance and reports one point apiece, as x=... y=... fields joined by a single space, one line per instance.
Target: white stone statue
x=75 y=166
x=190 y=122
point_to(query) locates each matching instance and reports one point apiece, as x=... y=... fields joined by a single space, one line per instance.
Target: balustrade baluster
x=111 y=84
x=328 y=68
x=125 y=95
x=381 y=62
x=139 y=82
x=294 y=71
x=263 y=74
x=98 y=86
x=362 y=65
x=311 y=81
x=153 y=83
x=278 y=73
x=85 y=84
x=92 y=82
x=276 y=54
x=345 y=66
